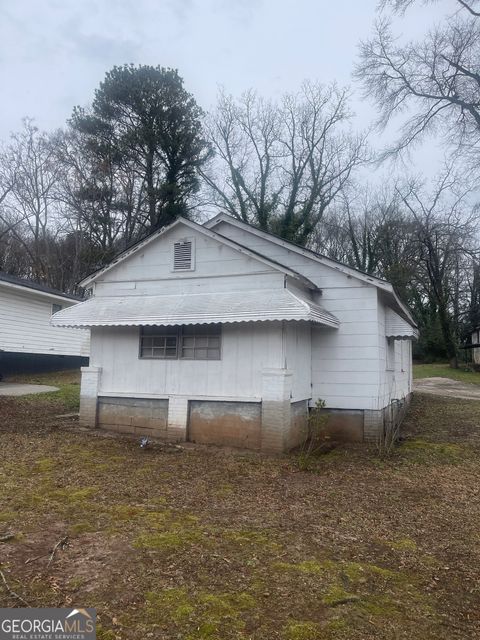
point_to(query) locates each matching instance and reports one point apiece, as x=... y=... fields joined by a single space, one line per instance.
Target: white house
x=225 y=334
x=475 y=346
x=25 y=312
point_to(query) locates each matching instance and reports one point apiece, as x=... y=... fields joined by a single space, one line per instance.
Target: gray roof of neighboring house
x=28 y=284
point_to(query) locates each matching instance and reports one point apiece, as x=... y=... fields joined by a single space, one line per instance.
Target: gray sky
x=53 y=53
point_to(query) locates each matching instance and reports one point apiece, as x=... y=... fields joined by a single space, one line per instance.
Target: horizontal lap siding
x=345 y=362
x=192 y=283
x=394 y=384
x=247 y=348
x=25 y=326
x=212 y=258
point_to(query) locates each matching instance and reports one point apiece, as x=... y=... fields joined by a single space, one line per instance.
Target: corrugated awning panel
x=397 y=327
x=197 y=308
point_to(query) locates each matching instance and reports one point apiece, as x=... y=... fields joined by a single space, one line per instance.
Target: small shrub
x=386 y=442
x=389 y=434
x=316 y=436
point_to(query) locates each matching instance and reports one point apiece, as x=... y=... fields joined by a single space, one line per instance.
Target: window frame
x=178 y=333
x=390 y=354
x=207 y=336
x=159 y=335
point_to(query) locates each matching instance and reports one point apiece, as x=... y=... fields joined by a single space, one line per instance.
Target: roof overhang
x=198 y=308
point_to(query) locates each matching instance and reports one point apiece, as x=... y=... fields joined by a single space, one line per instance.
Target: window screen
x=390 y=356
x=159 y=342
x=56 y=307
x=195 y=342
x=201 y=342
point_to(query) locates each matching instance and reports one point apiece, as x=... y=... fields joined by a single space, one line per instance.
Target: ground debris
x=217 y=544
x=11 y=591
x=6 y=537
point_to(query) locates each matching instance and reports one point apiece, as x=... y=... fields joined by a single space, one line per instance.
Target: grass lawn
x=442 y=370
x=204 y=544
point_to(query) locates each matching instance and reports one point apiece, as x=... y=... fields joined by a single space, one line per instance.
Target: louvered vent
x=182 y=256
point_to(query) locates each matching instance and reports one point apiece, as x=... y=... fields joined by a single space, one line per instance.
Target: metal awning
x=397 y=327
x=193 y=308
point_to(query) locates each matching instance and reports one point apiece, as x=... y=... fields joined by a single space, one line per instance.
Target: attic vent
x=182 y=256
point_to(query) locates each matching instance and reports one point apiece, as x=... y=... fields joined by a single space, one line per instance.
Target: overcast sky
x=53 y=53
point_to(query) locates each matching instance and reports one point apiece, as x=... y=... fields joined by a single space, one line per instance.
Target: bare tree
x=434 y=84
x=280 y=165
x=400 y=6
x=29 y=210
x=101 y=193
x=446 y=248
x=371 y=231
x=422 y=240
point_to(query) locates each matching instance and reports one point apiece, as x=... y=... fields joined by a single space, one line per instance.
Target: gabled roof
x=390 y=294
x=22 y=283
x=124 y=255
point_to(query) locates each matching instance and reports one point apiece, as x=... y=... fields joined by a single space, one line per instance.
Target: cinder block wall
x=274 y=425
x=367 y=425
x=137 y=416
x=235 y=424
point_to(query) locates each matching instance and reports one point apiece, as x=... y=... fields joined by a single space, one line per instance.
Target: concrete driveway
x=447 y=388
x=18 y=389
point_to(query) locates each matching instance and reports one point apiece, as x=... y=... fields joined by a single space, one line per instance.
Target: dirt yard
x=199 y=543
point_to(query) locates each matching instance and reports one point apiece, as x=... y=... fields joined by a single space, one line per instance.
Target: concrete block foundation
x=137 y=416
x=275 y=424
x=369 y=426
x=234 y=424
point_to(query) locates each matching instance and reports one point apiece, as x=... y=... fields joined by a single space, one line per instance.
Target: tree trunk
x=152 y=208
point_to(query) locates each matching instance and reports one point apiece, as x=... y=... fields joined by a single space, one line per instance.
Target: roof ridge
x=222 y=214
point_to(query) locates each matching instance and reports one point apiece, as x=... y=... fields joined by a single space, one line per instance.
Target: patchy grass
x=441 y=370
x=67 y=398
x=207 y=545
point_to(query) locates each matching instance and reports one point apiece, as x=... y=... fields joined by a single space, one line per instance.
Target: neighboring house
x=475 y=346
x=225 y=334
x=25 y=312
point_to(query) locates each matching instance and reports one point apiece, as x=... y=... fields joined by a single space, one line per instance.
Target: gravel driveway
x=447 y=388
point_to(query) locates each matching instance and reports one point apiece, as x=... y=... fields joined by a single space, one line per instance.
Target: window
x=183 y=255
x=56 y=307
x=201 y=342
x=390 y=354
x=158 y=342
x=193 y=342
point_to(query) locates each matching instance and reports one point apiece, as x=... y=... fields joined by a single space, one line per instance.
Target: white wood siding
x=395 y=383
x=344 y=367
x=298 y=358
x=345 y=362
x=154 y=265
x=25 y=325
x=247 y=348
